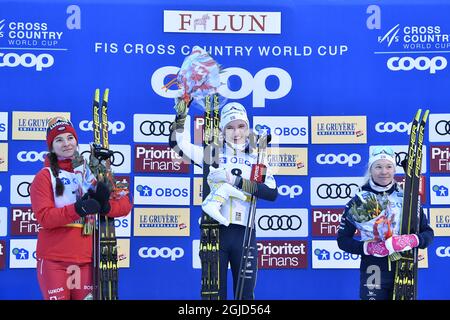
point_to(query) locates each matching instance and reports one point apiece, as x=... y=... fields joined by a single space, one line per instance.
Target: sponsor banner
x=282 y=254
x=443 y=251
x=327 y=255
x=166 y=190
x=422 y=187
x=288 y=161
x=198 y=194
x=3 y=126
x=120 y=160
x=123 y=226
x=284 y=130
x=199 y=121
x=158 y=158
x=338 y=159
x=338 y=129
x=290 y=191
x=3 y=249
x=113 y=127
x=3 y=221
x=22 y=253
x=401 y=151
x=241 y=22
x=391 y=127
x=123 y=253
x=3 y=157
x=334 y=191
x=24 y=222
x=439 y=127
x=276 y=223
x=325 y=221
x=170 y=254
x=151 y=128
x=439 y=190
x=32 y=125
x=440 y=221
x=162 y=222
x=422 y=257
x=439 y=159
x=20 y=189
x=31 y=156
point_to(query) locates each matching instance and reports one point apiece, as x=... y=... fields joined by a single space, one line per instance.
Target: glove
x=182 y=108
x=220 y=175
x=85 y=206
x=402 y=243
x=102 y=195
x=376 y=249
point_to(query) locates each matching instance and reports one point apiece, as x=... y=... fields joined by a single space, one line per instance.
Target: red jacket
x=55 y=240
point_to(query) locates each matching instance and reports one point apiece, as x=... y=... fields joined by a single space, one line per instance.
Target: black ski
x=209 y=228
x=105 y=275
x=405 y=281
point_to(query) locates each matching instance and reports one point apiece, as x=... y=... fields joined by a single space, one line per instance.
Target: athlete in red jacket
x=64 y=209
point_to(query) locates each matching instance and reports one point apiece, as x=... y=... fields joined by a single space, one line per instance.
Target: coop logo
x=31 y=156
x=282 y=254
x=389 y=127
x=341 y=158
x=327 y=255
x=115 y=127
x=164 y=253
x=290 y=191
x=443 y=252
x=421 y=63
x=284 y=130
x=440 y=159
x=27 y=60
x=240 y=22
x=249 y=84
x=167 y=191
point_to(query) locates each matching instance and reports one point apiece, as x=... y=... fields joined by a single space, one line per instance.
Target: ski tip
x=418 y=113
x=425 y=115
x=97 y=94
x=106 y=95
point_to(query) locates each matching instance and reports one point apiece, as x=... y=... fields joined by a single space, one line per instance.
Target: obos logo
x=27 y=60
x=165 y=253
x=3 y=125
x=389 y=127
x=115 y=127
x=341 y=158
x=420 y=63
x=284 y=130
x=249 y=84
x=327 y=255
x=31 y=156
x=291 y=191
x=168 y=191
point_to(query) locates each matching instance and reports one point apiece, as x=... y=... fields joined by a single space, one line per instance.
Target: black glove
x=404 y=163
x=102 y=196
x=85 y=206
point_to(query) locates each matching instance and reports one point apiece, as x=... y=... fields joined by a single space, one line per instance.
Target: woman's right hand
x=85 y=206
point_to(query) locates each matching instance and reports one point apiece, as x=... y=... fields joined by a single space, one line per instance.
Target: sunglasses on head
x=383 y=149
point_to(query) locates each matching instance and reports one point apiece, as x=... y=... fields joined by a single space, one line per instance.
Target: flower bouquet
x=372 y=216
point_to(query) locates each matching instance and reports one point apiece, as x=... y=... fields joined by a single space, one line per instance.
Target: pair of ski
x=209 y=228
x=105 y=270
x=405 y=280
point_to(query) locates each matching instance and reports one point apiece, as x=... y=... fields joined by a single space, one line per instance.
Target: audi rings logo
x=442 y=127
x=399 y=157
x=283 y=222
x=420 y=63
x=155 y=128
x=335 y=191
x=23 y=189
x=117 y=158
